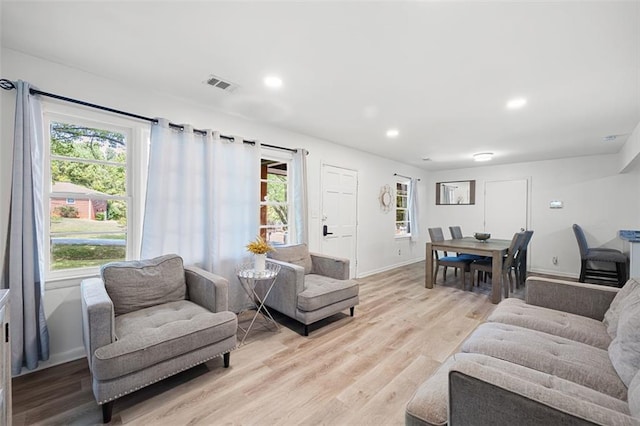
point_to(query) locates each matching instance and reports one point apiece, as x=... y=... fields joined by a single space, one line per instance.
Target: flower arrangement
x=259 y=246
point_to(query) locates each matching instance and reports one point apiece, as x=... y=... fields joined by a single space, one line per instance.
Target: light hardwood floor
x=349 y=371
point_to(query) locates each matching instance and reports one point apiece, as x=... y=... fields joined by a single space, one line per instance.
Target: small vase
x=259 y=262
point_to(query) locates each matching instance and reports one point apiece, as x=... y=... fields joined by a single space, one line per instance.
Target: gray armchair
x=146 y=320
x=310 y=286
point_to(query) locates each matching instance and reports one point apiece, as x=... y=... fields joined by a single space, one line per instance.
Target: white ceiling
x=440 y=72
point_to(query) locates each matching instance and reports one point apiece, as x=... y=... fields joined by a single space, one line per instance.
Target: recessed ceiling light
x=483 y=156
x=273 y=81
x=516 y=103
x=426 y=159
x=392 y=133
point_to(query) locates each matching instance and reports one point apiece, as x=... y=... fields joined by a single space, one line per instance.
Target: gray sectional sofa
x=568 y=354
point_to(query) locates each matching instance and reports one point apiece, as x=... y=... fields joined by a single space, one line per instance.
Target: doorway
x=339 y=214
x=506 y=207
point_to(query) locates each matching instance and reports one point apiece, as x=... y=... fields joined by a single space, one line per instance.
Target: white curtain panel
x=236 y=204
x=179 y=201
x=300 y=202
x=24 y=261
x=414 y=213
x=202 y=202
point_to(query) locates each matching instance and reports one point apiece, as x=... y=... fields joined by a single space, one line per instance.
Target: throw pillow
x=135 y=285
x=613 y=313
x=298 y=255
x=624 y=350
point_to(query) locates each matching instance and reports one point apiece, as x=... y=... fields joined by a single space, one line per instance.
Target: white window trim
x=395 y=209
x=136 y=134
x=283 y=157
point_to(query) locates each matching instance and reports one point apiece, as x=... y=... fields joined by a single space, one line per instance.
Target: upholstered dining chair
x=590 y=256
x=456 y=234
x=520 y=262
x=486 y=265
x=459 y=262
x=146 y=320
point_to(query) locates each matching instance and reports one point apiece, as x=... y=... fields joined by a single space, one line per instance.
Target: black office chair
x=600 y=255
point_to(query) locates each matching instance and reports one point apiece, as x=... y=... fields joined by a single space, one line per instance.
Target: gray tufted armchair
x=146 y=320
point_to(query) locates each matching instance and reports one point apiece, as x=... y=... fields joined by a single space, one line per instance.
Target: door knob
x=325 y=231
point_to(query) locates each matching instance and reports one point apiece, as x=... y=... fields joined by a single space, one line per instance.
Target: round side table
x=249 y=278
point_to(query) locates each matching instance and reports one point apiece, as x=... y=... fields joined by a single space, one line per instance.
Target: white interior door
x=339 y=208
x=506 y=204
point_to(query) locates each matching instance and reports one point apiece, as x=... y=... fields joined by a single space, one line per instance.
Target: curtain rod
x=9 y=85
x=407 y=177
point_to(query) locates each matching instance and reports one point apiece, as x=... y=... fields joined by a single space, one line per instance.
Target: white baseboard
x=387 y=268
x=57 y=359
x=556 y=273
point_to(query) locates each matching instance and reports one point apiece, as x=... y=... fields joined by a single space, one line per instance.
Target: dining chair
x=457 y=262
x=456 y=233
x=600 y=255
x=486 y=265
x=520 y=262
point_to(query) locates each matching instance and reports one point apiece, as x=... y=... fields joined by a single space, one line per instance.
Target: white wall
x=377 y=248
x=630 y=152
x=595 y=196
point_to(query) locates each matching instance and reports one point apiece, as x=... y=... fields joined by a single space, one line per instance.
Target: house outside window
x=403 y=221
x=88 y=192
x=275 y=200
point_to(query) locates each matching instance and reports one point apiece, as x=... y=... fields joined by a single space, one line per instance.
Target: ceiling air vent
x=220 y=83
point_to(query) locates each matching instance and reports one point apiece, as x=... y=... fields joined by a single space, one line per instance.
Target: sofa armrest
x=98 y=316
x=481 y=395
x=333 y=267
x=284 y=294
x=208 y=290
x=588 y=300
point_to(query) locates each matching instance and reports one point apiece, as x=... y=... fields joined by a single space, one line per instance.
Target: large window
x=88 y=196
x=403 y=221
x=275 y=201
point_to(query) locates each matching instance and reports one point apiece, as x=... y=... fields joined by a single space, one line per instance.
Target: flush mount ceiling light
x=516 y=103
x=273 y=82
x=483 y=156
x=392 y=133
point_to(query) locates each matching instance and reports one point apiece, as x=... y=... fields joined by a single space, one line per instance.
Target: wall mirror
x=458 y=192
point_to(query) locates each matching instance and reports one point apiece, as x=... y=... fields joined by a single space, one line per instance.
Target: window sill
x=70 y=280
x=402 y=237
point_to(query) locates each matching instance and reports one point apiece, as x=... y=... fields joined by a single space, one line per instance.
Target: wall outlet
x=554 y=260
x=399 y=252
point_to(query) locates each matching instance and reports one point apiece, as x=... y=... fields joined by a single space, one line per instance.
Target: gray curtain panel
x=414 y=211
x=300 y=202
x=24 y=267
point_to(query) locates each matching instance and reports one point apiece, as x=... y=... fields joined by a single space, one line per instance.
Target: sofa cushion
x=430 y=401
x=574 y=327
x=613 y=313
x=321 y=291
x=574 y=361
x=296 y=254
x=624 y=350
x=634 y=396
x=158 y=333
x=134 y=285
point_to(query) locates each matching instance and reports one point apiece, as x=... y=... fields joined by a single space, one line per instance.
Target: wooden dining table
x=494 y=248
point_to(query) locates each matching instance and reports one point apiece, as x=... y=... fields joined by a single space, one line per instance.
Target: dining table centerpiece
x=259 y=247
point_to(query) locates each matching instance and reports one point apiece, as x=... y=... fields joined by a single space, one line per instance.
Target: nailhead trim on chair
x=164 y=377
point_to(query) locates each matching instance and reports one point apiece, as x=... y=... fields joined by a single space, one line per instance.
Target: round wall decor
x=386 y=198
